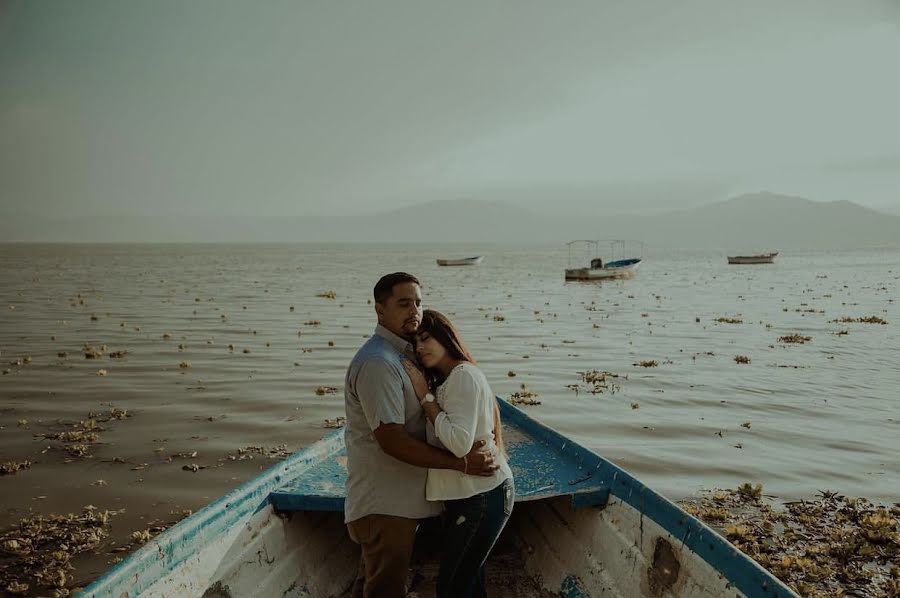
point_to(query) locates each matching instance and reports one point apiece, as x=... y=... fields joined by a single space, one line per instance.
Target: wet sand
x=217 y=360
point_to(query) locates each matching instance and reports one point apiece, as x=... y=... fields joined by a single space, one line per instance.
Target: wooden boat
x=617 y=267
x=764 y=258
x=465 y=261
x=581 y=527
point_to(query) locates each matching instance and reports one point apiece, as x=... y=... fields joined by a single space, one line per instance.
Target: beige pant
x=387 y=544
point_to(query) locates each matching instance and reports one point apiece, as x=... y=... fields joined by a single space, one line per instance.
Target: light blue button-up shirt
x=378 y=391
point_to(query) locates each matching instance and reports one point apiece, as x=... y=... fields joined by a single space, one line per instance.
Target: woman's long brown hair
x=443 y=331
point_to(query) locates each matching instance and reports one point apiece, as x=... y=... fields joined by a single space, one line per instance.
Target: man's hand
x=478 y=461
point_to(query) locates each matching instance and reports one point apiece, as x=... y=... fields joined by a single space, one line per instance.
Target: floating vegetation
x=184 y=365
x=312 y=323
x=326 y=390
x=863 y=320
x=511 y=374
x=524 y=396
x=13 y=467
x=251 y=452
x=652 y=363
x=796 y=339
x=35 y=555
x=101 y=372
x=729 y=321
x=77 y=441
x=92 y=353
x=327 y=295
x=741 y=359
x=118 y=354
x=337 y=422
x=830 y=546
x=599 y=381
x=841 y=333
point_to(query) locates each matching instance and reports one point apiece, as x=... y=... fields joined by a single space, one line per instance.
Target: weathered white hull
x=468 y=261
x=580 y=527
x=600 y=273
x=599 y=551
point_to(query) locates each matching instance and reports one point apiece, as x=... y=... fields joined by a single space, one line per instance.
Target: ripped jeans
x=471 y=527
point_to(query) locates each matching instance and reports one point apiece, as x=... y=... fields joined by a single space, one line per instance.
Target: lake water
x=824 y=414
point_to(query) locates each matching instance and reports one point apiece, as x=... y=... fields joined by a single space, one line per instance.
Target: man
x=387 y=456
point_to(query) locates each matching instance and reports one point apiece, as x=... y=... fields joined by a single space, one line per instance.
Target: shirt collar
x=401 y=344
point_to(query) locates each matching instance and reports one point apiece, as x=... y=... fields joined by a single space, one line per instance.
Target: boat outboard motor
x=596 y=263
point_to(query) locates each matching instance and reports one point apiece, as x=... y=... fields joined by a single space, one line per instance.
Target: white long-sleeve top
x=467 y=417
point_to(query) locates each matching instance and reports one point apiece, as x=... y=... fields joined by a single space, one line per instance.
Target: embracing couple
x=423 y=438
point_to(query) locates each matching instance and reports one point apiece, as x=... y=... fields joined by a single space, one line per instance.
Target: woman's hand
x=420 y=385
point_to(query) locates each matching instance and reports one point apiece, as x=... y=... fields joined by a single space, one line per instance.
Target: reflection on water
x=227 y=346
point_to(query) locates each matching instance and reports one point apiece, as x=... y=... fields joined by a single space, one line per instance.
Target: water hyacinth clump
x=35 y=555
x=830 y=546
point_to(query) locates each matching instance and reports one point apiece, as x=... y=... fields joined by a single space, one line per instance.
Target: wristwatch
x=428 y=398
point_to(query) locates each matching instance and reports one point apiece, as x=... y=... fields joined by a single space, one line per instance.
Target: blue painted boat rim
x=740 y=570
x=224 y=512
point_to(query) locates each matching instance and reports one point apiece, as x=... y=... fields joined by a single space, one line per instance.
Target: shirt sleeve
x=455 y=425
x=380 y=391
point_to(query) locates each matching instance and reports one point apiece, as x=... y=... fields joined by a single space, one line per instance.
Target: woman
x=462 y=411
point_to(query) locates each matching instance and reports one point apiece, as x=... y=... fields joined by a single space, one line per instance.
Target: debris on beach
x=828 y=546
x=524 y=396
x=796 y=339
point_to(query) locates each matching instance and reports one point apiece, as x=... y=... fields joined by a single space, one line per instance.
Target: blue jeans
x=471 y=527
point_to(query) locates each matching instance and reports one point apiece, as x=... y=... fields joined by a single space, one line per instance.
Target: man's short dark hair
x=384 y=288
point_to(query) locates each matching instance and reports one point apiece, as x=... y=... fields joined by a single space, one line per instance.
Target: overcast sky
x=327 y=107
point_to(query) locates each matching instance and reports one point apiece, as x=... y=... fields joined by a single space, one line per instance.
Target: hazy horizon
x=228 y=112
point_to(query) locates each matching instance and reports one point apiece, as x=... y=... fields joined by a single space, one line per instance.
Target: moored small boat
x=581 y=527
x=465 y=261
x=763 y=258
x=616 y=269
x=618 y=266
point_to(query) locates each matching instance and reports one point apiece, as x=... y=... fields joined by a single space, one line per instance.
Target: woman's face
x=429 y=351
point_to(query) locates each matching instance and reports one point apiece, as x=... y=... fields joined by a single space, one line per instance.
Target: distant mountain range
x=752 y=222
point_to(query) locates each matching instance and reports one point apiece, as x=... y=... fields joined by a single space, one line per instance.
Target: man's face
x=401 y=313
